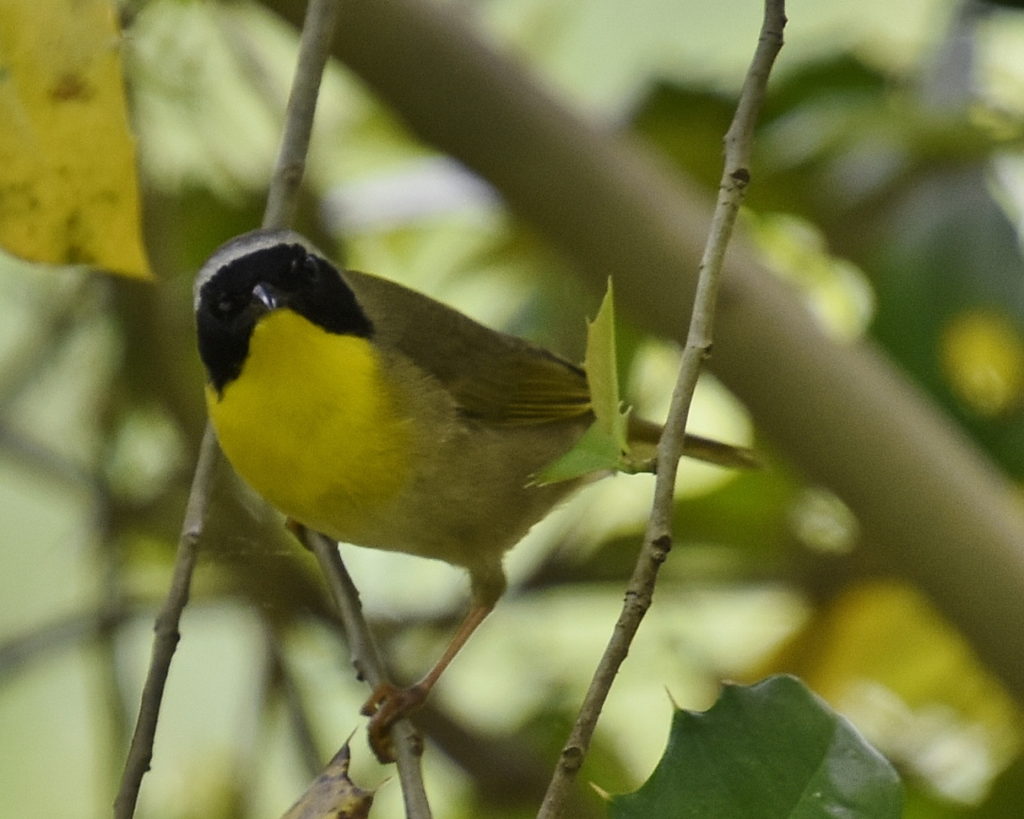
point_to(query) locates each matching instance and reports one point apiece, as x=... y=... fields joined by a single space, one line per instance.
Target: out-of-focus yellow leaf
x=68 y=186
x=983 y=360
x=884 y=658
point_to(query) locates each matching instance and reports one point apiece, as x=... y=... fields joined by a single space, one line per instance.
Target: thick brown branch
x=930 y=506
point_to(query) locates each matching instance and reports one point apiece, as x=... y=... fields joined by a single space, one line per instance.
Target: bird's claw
x=387 y=705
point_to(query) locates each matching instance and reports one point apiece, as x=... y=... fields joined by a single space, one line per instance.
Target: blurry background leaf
x=68 y=188
x=915 y=191
x=882 y=656
x=892 y=221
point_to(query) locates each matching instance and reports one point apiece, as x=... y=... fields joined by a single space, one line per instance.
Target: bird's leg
x=388 y=703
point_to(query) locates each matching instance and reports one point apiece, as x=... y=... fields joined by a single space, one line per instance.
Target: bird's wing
x=531 y=386
x=528 y=386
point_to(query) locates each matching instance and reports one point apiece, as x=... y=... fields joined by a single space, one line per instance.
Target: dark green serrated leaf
x=769 y=750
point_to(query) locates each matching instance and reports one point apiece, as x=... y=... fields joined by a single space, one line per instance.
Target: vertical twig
x=313 y=52
x=658 y=537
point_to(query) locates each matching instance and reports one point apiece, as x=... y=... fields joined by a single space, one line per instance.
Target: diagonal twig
x=368 y=664
x=166 y=637
x=658 y=537
x=314 y=50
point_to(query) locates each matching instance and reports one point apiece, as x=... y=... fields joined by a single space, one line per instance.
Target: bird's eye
x=311 y=270
x=302 y=270
x=225 y=306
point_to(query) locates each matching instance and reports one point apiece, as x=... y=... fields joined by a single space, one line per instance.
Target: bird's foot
x=387 y=705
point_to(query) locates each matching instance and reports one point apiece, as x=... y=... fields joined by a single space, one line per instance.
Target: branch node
x=660 y=547
x=741 y=176
x=636 y=603
x=572 y=758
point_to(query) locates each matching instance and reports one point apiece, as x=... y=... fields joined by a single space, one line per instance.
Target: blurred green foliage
x=893 y=209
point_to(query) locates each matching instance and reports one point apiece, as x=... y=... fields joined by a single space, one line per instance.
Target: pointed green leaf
x=601 y=364
x=604 y=445
x=769 y=750
x=594 y=452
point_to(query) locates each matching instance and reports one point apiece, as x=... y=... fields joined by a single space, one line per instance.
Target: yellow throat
x=312 y=426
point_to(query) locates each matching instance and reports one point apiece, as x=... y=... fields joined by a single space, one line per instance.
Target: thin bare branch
x=368 y=665
x=140 y=753
x=314 y=50
x=658 y=537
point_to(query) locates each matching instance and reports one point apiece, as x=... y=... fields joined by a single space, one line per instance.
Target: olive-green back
x=495 y=377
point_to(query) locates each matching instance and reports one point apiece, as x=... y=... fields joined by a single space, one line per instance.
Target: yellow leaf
x=983 y=360
x=885 y=659
x=68 y=186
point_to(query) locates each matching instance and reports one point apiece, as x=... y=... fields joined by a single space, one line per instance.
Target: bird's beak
x=266 y=298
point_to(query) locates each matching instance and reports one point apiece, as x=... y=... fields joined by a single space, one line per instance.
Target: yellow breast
x=311 y=425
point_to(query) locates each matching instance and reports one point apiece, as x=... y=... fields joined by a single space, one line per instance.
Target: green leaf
x=601 y=364
x=773 y=749
x=594 y=452
x=604 y=445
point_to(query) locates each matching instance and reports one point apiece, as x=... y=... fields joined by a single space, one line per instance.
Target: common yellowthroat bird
x=383 y=418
